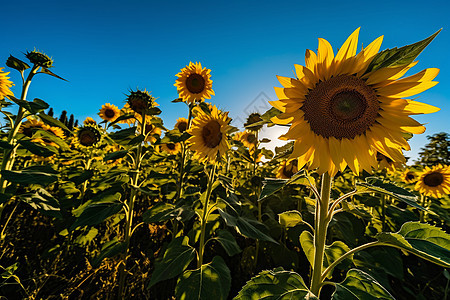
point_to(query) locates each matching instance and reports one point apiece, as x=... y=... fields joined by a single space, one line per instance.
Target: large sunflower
x=209 y=134
x=434 y=181
x=5 y=84
x=341 y=115
x=194 y=83
x=109 y=112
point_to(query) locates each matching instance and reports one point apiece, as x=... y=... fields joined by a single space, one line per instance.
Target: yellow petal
x=347 y=51
x=325 y=56
x=414 y=107
x=405 y=89
x=311 y=60
x=306 y=76
x=364 y=58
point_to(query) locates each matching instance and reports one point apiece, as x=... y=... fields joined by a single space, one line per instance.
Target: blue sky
x=106 y=48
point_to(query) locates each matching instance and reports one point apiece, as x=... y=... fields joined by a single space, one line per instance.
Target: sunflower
x=409 y=176
x=287 y=169
x=126 y=110
x=88 y=136
x=5 y=84
x=181 y=125
x=341 y=115
x=247 y=138
x=194 y=83
x=140 y=101
x=89 y=121
x=151 y=131
x=31 y=125
x=385 y=162
x=434 y=181
x=109 y=112
x=209 y=135
x=253 y=118
x=171 y=148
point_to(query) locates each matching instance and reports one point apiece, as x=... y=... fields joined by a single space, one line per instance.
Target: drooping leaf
x=79 y=178
x=210 y=281
x=115 y=155
x=47 y=71
x=359 y=285
x=52 y=121
x=277 y=284
x=5 y=145
x=42 y=175
x=272 y=186
x=95 y=213
x=424 y=240
x=388 y=188
x=16 y=63
x=176 y=259
x=43 y=201
x=34 y=107
x=402 y=56
x=247 y=227
x=290 y=218
x=38 y=149
x=228 y=242
x=165 y=211
x=110 y=249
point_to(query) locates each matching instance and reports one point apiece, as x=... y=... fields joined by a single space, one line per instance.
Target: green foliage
x=42 y=175
x=437 y=151
x=228 y=242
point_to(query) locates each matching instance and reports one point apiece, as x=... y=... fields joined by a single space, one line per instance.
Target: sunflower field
x=129 y=209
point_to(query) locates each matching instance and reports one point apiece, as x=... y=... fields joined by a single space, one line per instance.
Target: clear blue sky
x=105 y=48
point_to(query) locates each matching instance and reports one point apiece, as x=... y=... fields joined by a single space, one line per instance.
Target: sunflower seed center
x=87 y=138
x=195 y=83
x=171 y=146
x=341 y=107
x=211 y=134
x=433 y=179
x=109 y=113
x=182 y=126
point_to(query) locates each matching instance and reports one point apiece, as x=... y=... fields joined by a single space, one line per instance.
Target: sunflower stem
x=423 y=201
x=129 y=214
x=383 y=213
x=204 y=219
x=320 y=233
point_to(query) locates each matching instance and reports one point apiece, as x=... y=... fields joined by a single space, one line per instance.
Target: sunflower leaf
x=52 y=121
x=402 y=56
x=37 y=149
x=47 y=71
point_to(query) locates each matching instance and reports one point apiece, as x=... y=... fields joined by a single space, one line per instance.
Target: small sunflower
x=151 y=131
x=5 y=85
x=434 y=181
x=126 y=110
x=171 y=148
x=181 y=125
x=409 y=176
x=253 y=119
x=31 y=125
x=342 y=115
x=89 y=121
x=88 y=136
x=247 y=138
x=109 y=112
x=287 y=169
x=385 y=162
x=140 y=101
x=194 y=83
x=209 y=135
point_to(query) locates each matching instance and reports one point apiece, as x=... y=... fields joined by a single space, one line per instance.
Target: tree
x=437 y=151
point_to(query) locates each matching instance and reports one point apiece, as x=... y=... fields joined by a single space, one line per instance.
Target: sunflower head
x=253 y=118
x=343 y=114
x=194 y=83
x=140 y=101
x=5 y=85
x=434 y=181
x=248 y=138
x=171 y=148
x=28 y=127
x=88 y=136
x=409 y=176
x=287 y=169
x=209 y=135
x=181 y=125
x=39 y=59
x=89 y=121
x=109 y=112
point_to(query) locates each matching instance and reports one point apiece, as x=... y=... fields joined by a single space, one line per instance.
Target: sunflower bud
x=39 y=59
x=16 y=63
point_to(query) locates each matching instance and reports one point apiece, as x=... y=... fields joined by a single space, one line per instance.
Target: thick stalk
x=423 y=201
x=129 y=213
x=204 y=219
x=320 y=233
x=383 y=213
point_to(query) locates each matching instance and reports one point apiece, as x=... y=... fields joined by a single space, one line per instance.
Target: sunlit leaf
x=42 y=201
x=165 y=211
x=290 y=218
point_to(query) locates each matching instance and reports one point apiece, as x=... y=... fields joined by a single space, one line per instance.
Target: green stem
x=204 y=219
x=320 y=233
x=383 y=213
x=129 y=213
x=423 y=201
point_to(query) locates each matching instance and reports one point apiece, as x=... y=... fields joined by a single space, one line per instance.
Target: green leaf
x=271 y=186
x=388 y=188
x=397 y=57
x=44 y=202
x=165 y=211
x=290 y=218
x=424 y=240
x=16 y=63
x=5 y=145
x=52 y=121
x=96 y=213
x=124 y=135
x=228 y=242
x=48 y=136
x=277 y=284
x=79 y=178
x=47 y=71
x=177 y=258
x=247 y=227
x=38 y=149
x=115 y=155
x=331 y=254
x=359 y=285
x=269 y=114
x=210 y=281
x=153 y=111
x=110 y=249
x=42 y=175
x=33 y=107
